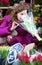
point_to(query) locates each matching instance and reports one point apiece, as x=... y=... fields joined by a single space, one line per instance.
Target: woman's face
x=19 y=15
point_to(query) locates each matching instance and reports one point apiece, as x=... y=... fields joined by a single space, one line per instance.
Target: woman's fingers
x=14 y=25
x=9 y=37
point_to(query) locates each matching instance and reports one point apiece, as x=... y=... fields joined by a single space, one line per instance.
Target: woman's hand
x=9 y=37
x=14 y=25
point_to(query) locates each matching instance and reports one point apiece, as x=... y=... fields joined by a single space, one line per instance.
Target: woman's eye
x=21 y=13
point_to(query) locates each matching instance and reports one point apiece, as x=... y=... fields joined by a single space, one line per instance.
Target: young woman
x=22 y=36
x=7 y=27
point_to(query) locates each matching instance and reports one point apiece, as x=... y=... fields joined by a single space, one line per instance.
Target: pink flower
x=34 y=59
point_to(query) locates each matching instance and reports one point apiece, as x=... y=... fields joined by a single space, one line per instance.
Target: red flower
x=6 y=1
x=26 y=59
x=34 y=59
x=21 y=57
x=0 y=0
x=39 y=58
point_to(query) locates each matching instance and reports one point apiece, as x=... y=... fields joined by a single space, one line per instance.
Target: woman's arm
x=4 y=32
x=5 y=21
x=5 y=27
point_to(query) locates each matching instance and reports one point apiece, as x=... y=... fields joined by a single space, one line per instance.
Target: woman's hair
x=17 y=9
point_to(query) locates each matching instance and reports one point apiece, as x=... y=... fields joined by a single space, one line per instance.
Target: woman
x=22 y=36
x=7 y=27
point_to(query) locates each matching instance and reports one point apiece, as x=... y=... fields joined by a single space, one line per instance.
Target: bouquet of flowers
x=29 y=25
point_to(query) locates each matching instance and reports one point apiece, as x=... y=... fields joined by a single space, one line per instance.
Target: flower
x=36 y=5
x=40 y=57
x=24 y=58
x=36 y=19
x=1 y=0
x=5 y=1
x=34 y=59
x=40 y=21
x=21 y=57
